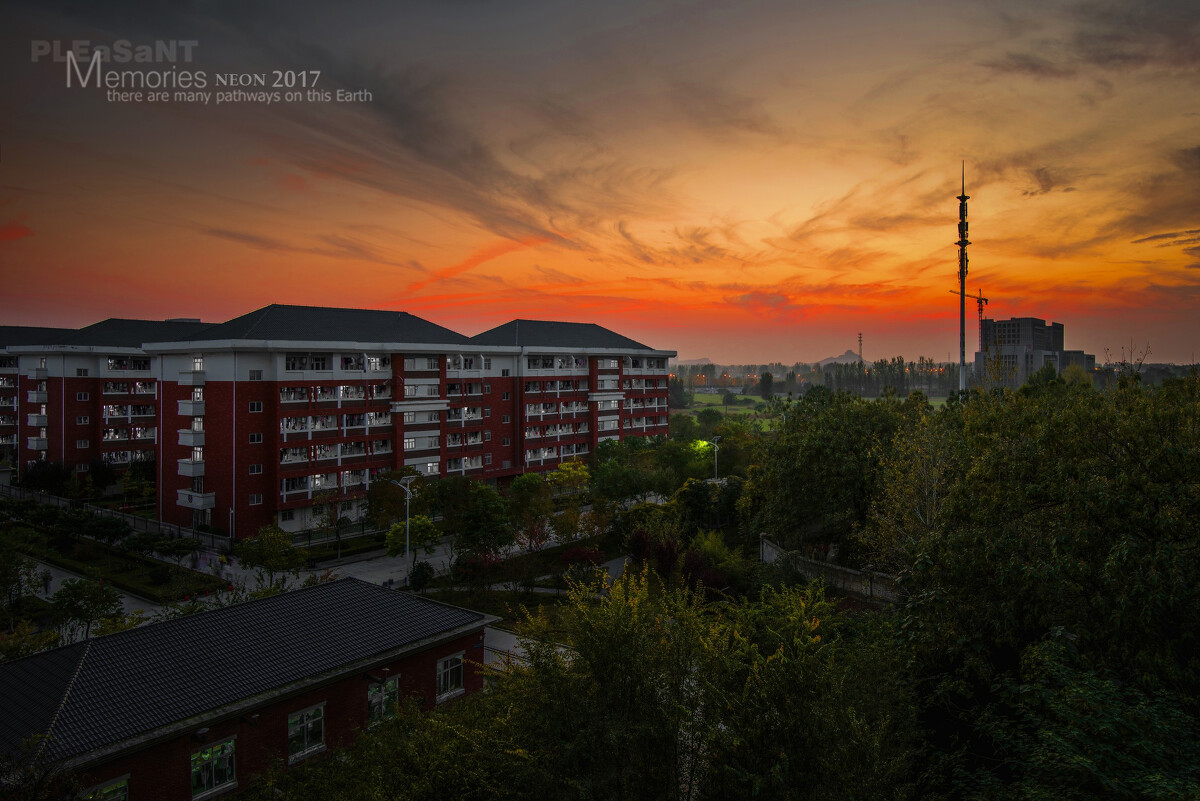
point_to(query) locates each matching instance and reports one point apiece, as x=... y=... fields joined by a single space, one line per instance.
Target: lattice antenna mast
x=962 y=282
x=980 y=301
x=860 y=358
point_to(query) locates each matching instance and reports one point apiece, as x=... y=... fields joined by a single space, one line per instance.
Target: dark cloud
x=1029 y=64
x=244 y=238
x=720 y=112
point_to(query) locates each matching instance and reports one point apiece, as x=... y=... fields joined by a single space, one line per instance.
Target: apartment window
x=450 y=677
x=81 y=443
x=82 y=420
x=198 y=453
x=410 y=444
x=504 y=419
x=197 y=362
x=255 y=469
x=255 y=406
x=306 y=733
x=504 y=396
x=115 y=790
x=256 y=439
x=410 y=417
x=487 y=389
x=213 y=769
x=504 y=372
x=256 y=499
x=506 y=441
x=431 y=364
x=287 y=515
x=382 y=698
x=487 y=411
x=81 y=396
x=487 y=458
x=487 y=436
x=81 y=372
x=255 y=375
x=487 y=363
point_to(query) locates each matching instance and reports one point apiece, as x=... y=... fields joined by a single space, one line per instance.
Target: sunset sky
x=743 y=181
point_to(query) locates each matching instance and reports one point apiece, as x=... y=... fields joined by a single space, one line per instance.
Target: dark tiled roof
x=118 y=333
x=545 y=333
x=30 y=335
x=108 y=689
x=323 y=324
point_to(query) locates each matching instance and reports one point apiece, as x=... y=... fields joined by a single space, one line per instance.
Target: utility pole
x=962 y=282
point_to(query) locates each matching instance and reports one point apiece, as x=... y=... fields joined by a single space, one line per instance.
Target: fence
x=213 y=542
x=862 y=584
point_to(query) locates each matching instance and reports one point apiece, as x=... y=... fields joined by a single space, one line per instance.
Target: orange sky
x=743 y=181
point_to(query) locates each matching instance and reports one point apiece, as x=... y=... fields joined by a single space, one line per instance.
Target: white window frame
x=230 y=781
x=301 y=723
x=382 y=698
x=256 y=439
x=256 y=499
x=256 y=406
x=256 y=469
x=254 y=375
x=451 y=677
x=82 y=396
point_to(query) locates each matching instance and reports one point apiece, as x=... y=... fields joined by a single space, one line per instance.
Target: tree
x=677 y=395
x=19 y=577
x=766 y=386
x=272 y=552
x=422 y=535
x=482 y=525
x=683 y=427
x=530 y=504
x=569 y=482
x=387 y=503
x=80 y=603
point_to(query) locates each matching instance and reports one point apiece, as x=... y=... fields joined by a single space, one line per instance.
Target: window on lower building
x=81 y=468
x=81 y=372
x=255 y=406
x=287 y=515
x=213 y=769
x=504 y=371
x=507 y=441
x=382 y=698
x=255 y=375
x=306 y=733
x=504 y=419
x=256 y=499
x=503 y=396
x=115 y=790
x=256 y=439
x=83 y=420
x=81 y=443
x=81 y=396
x=255 y=469
x=450 y=677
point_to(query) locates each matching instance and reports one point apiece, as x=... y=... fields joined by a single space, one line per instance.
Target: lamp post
x=716 y=453
x=405 y=484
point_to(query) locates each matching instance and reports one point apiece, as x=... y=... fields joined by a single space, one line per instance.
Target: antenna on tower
x=962 y=282
x=860 y=358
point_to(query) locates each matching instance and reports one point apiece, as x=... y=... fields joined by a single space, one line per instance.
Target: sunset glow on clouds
x=735 y=180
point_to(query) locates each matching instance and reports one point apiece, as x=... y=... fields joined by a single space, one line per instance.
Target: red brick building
x=257 y=417
x=191 y=708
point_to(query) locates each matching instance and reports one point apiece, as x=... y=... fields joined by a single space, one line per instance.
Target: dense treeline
x=1047 y=550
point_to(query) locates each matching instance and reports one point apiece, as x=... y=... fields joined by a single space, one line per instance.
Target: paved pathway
x=130 y=603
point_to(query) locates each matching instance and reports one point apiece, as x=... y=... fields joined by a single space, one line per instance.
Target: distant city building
x=253 y=421
x=1016 y=348
x=194 y=707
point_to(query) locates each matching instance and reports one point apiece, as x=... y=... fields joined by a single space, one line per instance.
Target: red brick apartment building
x=191 y=708
x=249 y=420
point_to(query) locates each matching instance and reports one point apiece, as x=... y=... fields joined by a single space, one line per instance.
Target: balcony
x=420 y=403
x=191 y=378
x=196 y=500
x=191 y=468
x=38 y=396
x=37 y=443
x=191 y=408
x=37 y=420
x=190 y=438
x=37 y=374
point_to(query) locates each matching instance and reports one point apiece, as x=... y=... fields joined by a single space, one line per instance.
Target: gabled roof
x=561 y=336
x=120 y=333
x=30 y=335
x=325 y=324
x=106 y=690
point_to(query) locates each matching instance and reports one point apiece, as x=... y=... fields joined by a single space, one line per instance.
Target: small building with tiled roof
x=188 y=708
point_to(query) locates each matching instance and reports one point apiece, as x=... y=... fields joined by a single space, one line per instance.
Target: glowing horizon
x=749 y=183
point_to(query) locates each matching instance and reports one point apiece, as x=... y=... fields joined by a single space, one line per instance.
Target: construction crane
x=981 y=301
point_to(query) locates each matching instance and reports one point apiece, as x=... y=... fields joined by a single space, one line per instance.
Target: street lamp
x=716 y=452
x=405 y=484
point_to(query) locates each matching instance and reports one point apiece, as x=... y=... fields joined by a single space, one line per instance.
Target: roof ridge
x=62 y=704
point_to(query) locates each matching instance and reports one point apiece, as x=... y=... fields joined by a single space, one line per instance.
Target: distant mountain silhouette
x=849 y=357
